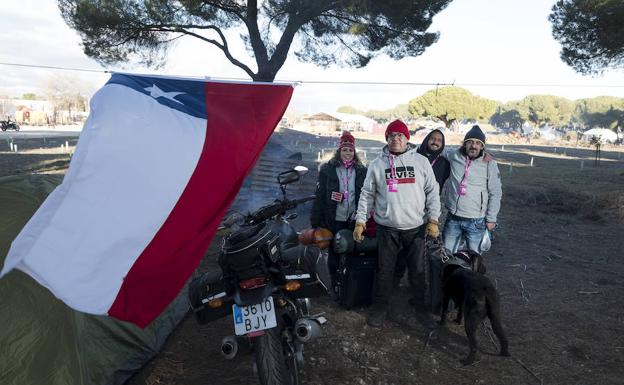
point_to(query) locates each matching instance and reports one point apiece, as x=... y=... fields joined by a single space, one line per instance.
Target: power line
x=53 y=67
x=431 y=84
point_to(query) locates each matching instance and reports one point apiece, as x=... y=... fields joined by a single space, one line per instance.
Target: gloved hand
x=432 y=230
x=357 y=232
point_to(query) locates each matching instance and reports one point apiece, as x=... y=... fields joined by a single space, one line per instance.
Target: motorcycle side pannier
x=310 y=269
x=356 y=280
x=201 y=290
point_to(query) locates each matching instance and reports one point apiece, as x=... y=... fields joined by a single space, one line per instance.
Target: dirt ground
x=556 y=262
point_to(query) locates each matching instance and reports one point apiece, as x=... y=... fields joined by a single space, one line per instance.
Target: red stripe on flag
x=241 y=117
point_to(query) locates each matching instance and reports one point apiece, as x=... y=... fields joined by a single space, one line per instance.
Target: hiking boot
x=376 y=318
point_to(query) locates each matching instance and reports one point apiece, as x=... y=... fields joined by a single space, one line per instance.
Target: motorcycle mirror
x=288 y=177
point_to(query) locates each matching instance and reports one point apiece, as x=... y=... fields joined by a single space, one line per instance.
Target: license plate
x=256 y=317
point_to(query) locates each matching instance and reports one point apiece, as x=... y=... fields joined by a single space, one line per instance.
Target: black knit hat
x=475 y=133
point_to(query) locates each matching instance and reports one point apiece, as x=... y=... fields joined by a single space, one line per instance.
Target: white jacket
x=416 y=200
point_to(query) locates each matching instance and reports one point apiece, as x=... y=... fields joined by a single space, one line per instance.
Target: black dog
x=476 y=298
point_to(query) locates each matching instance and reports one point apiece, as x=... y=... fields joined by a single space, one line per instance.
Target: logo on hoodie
x=402 y=174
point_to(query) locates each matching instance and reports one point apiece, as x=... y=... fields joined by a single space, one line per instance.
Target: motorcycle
x=9 y=125
x=266 y=281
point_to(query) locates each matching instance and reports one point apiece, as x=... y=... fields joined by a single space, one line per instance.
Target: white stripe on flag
x=148 y=164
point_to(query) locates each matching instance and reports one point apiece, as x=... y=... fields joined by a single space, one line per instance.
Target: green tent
x=44 y=342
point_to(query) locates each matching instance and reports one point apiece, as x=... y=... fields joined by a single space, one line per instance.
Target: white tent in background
x=604 y=134
x=526 y=129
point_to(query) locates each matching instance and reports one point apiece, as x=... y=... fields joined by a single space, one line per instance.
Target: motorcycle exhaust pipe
x=229 y=347
x=306 y=329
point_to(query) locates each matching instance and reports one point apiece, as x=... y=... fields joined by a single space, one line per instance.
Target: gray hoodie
x=483 y=190
x=416 y=200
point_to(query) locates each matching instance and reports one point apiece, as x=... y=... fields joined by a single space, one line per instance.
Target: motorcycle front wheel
x=276 y=363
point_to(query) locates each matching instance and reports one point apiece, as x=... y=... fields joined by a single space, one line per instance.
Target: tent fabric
x=43 y=341
x=603 y=133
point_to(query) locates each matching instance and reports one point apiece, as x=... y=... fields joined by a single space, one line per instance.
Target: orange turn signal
x=215 y=303
x=292 y=285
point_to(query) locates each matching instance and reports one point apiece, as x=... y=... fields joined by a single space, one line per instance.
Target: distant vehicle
x=9 y=125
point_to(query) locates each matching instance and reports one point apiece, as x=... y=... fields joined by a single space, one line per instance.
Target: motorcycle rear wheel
x=276 y=364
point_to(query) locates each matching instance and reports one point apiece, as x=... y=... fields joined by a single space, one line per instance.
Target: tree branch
x=223 y=45
x=227 y=7
x=258 y=46
x=295 y=22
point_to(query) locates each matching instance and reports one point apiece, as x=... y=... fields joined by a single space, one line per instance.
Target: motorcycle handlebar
x=279 y=207
x=299 y=201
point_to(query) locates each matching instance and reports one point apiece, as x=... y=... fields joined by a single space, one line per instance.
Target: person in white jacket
x=472 y=195
x=402 y=191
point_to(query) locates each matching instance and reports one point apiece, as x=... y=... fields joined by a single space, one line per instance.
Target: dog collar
x=461 y=259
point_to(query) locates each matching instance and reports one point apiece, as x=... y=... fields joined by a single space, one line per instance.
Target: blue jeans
x=471 y=230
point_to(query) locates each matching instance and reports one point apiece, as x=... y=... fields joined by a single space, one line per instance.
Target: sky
x=482 y=42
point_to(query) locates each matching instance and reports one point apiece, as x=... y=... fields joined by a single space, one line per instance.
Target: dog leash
x=436 y=244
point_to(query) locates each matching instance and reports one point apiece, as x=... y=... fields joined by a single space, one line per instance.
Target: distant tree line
x=603 y=111
x=449 y=105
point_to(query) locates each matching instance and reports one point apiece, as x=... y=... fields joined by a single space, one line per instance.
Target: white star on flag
x=156 y=92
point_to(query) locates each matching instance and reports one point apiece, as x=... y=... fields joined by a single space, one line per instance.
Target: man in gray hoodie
x=402 y=191
x=473 y=193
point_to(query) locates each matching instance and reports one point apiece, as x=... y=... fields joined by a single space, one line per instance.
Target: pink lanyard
x=392 y=173
x=465 y=178
x=435 y=160
x=347 y=177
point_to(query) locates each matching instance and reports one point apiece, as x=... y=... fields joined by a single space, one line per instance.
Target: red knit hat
x=397 y=126
x=347 y=140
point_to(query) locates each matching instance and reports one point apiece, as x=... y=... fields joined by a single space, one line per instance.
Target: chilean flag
x=158 y=163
